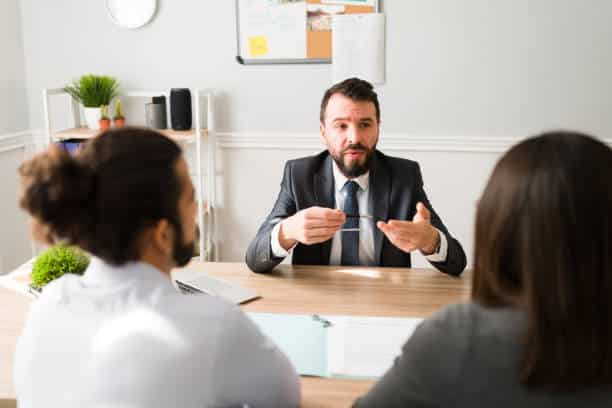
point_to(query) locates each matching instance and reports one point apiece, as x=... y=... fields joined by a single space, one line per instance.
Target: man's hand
x=310 y=226
x=411 y=235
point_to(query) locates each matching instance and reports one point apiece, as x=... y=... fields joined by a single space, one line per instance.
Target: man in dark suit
x=353 y=205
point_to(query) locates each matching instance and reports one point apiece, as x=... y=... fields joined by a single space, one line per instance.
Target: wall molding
x=394 y=141
x=14 y=141
x=388 y=142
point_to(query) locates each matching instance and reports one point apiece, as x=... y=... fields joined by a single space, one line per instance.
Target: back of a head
x=543 y=242
x=102 y=198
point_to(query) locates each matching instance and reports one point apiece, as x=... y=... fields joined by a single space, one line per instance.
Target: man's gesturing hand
x=310 y=226
x=411 y=235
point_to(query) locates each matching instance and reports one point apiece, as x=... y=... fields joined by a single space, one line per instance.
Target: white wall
x=13 y=105
x=15 y=245
x=475 y=67
x=14 y=125
x=458 y=70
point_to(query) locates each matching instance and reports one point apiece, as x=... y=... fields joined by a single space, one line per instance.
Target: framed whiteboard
x=290 y=31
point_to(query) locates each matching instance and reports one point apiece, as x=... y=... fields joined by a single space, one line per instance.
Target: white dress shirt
x=124 y=337
x=366 y=226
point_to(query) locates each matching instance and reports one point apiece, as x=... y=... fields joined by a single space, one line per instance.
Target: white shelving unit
x=195 y=135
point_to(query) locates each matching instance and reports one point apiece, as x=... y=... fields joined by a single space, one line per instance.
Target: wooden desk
x=389 y=292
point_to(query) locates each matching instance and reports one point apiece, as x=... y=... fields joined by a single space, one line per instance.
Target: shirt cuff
x=439 y=256
x=277 y=250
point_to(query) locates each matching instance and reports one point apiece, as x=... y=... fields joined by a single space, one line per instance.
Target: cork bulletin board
x=290 y=31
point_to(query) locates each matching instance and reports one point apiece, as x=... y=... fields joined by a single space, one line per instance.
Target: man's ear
x=322 y=133
x=162 y=236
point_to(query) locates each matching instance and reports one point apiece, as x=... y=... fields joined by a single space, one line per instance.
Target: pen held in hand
x=355 y=216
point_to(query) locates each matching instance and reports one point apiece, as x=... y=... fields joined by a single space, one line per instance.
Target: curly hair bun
x=57 y=192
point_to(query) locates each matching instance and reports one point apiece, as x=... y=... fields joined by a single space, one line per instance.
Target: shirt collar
x=100 y=272
x=340 y=179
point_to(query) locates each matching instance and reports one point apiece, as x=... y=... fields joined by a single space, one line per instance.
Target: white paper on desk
x=358 y=47
x=365 y=347
x=14 y=280
x=352 y=347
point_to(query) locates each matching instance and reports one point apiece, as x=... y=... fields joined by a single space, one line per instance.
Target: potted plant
x=93 y=91
x=104 y=119
x=55 y=262
x=118 y=119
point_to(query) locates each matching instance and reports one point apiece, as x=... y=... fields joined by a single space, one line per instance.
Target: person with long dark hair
x=538 y=331
x=121 y=335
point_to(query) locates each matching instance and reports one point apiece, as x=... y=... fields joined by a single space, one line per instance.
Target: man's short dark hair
x=354 y=88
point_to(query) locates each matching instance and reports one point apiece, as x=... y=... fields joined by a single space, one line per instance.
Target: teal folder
x=303 y=338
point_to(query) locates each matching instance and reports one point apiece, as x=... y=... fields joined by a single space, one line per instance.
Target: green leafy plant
x=93 y=90
x=118 y=114
x=55 y=262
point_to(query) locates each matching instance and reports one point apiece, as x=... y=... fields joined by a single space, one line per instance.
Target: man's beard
x=355 y=169
x=182 y=252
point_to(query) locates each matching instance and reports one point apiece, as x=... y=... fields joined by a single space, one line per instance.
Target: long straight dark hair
x=543 y=242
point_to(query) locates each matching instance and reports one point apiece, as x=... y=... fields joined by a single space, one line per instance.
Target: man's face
x=187 y=208
x=350 y=132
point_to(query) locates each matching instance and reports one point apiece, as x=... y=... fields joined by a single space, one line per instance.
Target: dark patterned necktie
x=350 y=239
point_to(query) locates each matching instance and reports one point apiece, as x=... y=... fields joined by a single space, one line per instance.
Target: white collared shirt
x=124 y=337
x=366 y=226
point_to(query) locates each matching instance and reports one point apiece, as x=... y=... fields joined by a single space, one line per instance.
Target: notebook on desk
x=216 y=287
x=355 y=347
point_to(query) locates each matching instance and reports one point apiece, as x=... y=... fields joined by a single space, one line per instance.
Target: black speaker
x=180 y=108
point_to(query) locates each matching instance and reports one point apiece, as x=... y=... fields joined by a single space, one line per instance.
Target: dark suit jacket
x=396 y=188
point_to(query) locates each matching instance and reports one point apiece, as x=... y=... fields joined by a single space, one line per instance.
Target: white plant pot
x=92 y=117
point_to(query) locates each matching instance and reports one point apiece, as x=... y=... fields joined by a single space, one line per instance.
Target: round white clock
x=131 y=13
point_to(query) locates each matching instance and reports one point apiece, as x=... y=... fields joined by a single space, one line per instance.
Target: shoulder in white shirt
x=123 y=336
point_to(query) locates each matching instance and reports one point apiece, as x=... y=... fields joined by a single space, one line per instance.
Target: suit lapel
x=380 y=192
x=325 y=197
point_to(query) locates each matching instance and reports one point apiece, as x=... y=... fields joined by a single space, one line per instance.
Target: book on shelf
x=71 y=145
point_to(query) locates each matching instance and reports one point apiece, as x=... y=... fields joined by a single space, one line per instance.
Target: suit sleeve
x=259 y=256
x=455 y=257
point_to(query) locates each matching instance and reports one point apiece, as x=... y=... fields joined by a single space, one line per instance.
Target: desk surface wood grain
x=391 y=292
x=362 y=291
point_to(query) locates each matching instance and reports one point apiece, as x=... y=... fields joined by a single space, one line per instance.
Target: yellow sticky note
x=258 y=46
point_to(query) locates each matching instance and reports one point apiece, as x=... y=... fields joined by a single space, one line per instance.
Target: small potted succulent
x=118 y=119
x=93 y=91
x=104 y=119
x=55 y=262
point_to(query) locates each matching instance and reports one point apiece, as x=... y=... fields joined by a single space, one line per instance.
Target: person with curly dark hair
x=121 y=335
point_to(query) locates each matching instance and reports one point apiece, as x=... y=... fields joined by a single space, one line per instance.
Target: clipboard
x=336 y=346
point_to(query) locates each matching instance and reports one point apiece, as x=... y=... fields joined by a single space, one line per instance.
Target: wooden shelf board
x=86 y=133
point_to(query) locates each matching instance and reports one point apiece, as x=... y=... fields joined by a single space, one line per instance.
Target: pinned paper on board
x=358 y=46
x=371 y=3
x=295 y=31
x=258 y=46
